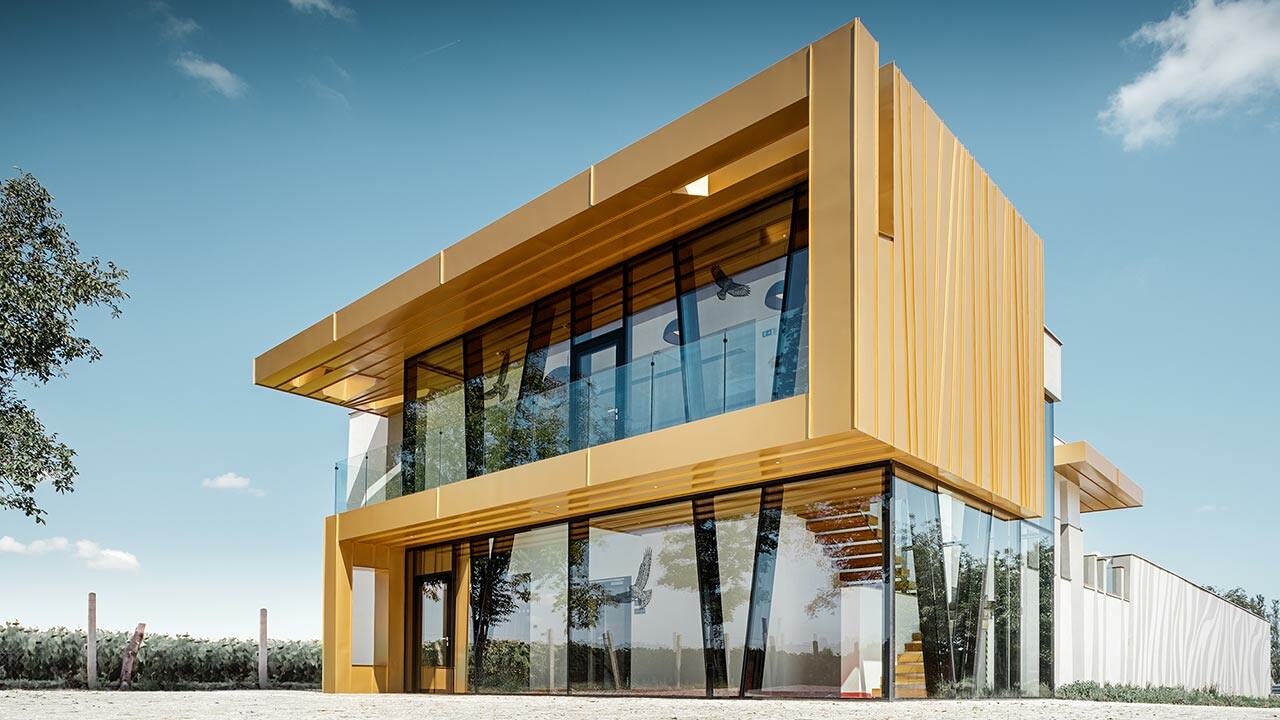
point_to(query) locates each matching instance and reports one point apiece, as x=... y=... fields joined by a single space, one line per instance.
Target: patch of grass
x=1158 y=695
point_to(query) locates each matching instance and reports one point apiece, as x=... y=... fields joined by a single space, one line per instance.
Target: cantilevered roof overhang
x=740 y=147
x=1102 y=485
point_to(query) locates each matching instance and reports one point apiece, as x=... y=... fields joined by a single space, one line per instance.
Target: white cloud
x=232 y=481
x=35 y=547
x=328 y=94
x=222 y=79
x=100 y=558
x=337 y=69
x=1214 y=57
x=93 y=555
x=1208 y=508
x=327 y=7
x=175 y=28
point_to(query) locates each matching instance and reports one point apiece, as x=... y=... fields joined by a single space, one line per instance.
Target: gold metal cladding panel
x=753 y=445
x=952 y=371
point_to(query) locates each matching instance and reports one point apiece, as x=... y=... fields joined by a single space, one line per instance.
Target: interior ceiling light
x=672 y=333
x=775 y=295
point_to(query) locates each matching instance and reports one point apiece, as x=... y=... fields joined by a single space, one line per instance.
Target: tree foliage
x=43 y=283
x=1268 y=610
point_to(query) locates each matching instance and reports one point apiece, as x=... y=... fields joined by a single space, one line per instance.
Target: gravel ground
x=278 y=705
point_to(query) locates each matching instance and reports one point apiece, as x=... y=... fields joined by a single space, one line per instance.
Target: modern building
x=756 y=406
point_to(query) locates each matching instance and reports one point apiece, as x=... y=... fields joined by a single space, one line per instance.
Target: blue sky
x=256 y=165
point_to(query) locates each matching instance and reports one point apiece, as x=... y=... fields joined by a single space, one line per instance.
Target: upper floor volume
x=807 y=273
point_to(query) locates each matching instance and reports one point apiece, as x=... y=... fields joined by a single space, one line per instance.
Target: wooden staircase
x=908 y=671
x=850 y=535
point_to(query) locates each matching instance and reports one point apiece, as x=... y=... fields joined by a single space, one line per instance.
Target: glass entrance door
x=433 y=615
x=597 y=397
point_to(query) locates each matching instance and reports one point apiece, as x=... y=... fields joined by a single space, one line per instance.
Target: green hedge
x=1159 y=695
x=55 y=658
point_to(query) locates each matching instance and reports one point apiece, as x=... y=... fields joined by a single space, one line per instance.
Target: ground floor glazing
x=870 y=583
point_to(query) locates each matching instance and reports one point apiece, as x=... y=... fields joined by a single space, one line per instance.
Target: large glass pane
x=921 y=644
x=1004 y=637
x=499 y=365
x=434 y=451
x=729 y=279
x=541 y=428
x=519 y=606
x=656 y=391
x=1038 y=581
x=635 y=611
x=966 y=538
x=973 y=599
x=736 y=522
x=820 y=616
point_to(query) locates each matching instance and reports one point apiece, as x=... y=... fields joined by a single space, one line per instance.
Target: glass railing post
x=724 y=372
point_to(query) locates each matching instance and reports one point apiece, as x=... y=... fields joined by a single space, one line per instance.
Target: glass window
x=819 y=618
x=707 y=323
x=541 y=425
x=973 y=599
x=656 y=389
x=735 y=523
x=519 y=605
x=636 y=618
x=729 y=278
x=434 y=622
x=495 y=368
x=435 y=451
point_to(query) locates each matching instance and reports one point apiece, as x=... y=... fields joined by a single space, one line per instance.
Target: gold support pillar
x=336 y=655
x=843 y=172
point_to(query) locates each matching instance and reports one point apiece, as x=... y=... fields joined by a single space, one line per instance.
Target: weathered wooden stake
x=91 y=644
x=130 y=655
x=675 y=640
x=262 y=649
x=613 y=659
x=551 y=659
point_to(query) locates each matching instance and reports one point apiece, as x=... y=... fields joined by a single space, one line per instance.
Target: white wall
x=1161 y=630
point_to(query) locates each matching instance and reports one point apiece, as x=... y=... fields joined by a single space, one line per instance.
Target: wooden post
x=262 y=649
x=91 y=644
x=675 y=640
x=130 y=655
x=551 y=660
x=613 y=659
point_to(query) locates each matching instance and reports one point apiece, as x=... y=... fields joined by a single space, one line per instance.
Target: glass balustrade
x=729 y=370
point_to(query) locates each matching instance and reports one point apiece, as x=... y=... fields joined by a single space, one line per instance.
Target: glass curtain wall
x=972 y=602
x=519 y=609
x=825 y=587
x=709 y=323
x=816 y=626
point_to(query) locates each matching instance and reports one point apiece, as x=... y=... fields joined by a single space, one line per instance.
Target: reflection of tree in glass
x=496 y=594
x=734 y=551
x=586 y=598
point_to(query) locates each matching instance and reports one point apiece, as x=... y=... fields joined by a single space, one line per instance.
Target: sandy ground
x=278 y=705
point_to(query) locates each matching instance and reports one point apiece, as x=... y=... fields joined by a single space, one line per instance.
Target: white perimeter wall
x=1168 y=632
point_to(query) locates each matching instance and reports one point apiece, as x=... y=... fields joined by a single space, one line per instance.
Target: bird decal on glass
x=500 y=387
x=640 y=597
x=728 y=286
